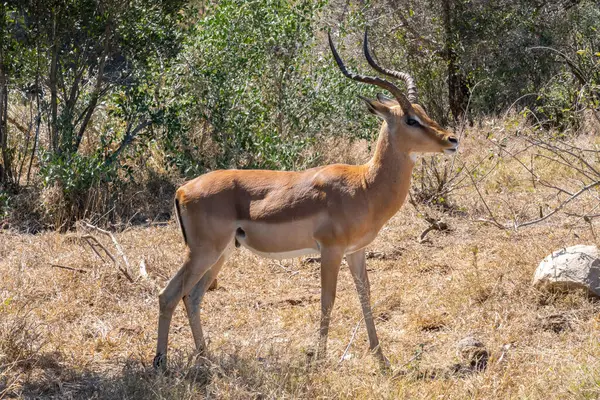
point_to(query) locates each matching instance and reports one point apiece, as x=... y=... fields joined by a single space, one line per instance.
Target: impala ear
x=377 y=108
x=389 y=102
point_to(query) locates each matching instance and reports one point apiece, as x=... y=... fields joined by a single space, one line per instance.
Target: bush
x=262 y=89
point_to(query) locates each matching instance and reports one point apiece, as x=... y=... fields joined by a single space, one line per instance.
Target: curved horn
x=382 y=83
x=410 y=82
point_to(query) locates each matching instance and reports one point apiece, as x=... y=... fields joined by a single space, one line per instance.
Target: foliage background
x=103 y=100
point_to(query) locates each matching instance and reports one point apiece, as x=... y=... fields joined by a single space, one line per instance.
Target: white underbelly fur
x=285 y=255
x=279 y=240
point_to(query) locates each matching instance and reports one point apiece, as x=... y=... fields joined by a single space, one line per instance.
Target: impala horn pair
x=404 y=101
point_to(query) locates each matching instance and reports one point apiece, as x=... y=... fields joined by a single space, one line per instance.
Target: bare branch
x=431 y=44
x=18 y=125
x=83 y=271
x=557 y=150
x=530 y=170
x=579 y=74
x=493 y=218
x=354 y=331
x=562 y=205
x=97 y=90
x=124 y=271
x=128 y=138
x=93 y=242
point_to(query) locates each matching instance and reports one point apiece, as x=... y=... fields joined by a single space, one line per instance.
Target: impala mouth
x=451 y=150
x=453 y=142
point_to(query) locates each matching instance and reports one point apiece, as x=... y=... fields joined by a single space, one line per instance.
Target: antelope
x=335 y=210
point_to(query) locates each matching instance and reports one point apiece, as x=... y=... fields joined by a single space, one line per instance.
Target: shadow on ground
x=48 y=376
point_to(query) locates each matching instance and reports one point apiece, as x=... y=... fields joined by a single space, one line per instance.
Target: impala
x=335 y=210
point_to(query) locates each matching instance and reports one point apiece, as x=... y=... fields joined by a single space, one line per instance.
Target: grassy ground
x=71 y=334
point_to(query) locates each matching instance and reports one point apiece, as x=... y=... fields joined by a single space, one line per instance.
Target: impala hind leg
x=358 y=268
x=198 y=262
x=331 y=260
x=193 y=299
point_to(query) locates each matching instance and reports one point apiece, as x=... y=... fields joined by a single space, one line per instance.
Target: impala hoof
x=160 y=362
x=384 y=365
x=321 y=352
x=214 y=285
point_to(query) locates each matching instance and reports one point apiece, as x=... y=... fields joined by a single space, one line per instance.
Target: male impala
x=334 y=210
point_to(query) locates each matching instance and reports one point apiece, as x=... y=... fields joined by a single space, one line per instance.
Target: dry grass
x=68 y=334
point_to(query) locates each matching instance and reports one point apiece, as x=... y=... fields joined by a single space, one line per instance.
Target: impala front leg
x=331 y=259
x=358 y=268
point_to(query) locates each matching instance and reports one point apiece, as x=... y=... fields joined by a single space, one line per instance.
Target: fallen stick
x=354 y=331
x=115 y=242
x=351 y=340
x=96 y=242
x=83 y=271
x=124 y=271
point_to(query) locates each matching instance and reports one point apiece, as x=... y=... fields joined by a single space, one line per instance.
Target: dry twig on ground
x=89 y=238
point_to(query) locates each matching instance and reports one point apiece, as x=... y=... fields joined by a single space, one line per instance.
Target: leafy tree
x=80 y=62
x=453 y=45
x=263 y=88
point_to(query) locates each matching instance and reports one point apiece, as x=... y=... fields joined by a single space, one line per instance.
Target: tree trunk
x=458 y=92
x=5 y=166
x=97 y=89
x=53 y=83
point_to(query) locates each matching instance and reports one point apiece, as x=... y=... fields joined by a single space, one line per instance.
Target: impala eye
x=412 y=122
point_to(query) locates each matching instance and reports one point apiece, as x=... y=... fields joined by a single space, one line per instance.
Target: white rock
x=572 y=267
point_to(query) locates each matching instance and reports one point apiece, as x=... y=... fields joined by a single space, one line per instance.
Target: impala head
x=404 y=118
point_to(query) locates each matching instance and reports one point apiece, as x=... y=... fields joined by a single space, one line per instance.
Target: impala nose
x=454 y=142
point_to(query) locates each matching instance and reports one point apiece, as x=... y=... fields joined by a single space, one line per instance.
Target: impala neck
x=388 y=174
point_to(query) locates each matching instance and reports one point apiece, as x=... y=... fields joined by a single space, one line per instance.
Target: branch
x=556 y=150
x=124 y=271
x=129 y=136
x=431 y=45
x=97 y=89
x=83 y=271
x=53 y=83
x=74 y=92
x=561 y=206
x=18 y=125
x=434 y=225
x=354 y=331
x=92 y=242
x=559 y=152
x=533 y=174
x=494 y=220
x=574 y=68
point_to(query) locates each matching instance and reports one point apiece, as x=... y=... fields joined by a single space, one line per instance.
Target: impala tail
x=181 y=226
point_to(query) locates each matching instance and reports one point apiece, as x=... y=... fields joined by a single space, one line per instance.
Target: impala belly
x=361 y=242
x=279 y=240
x=284 y=255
